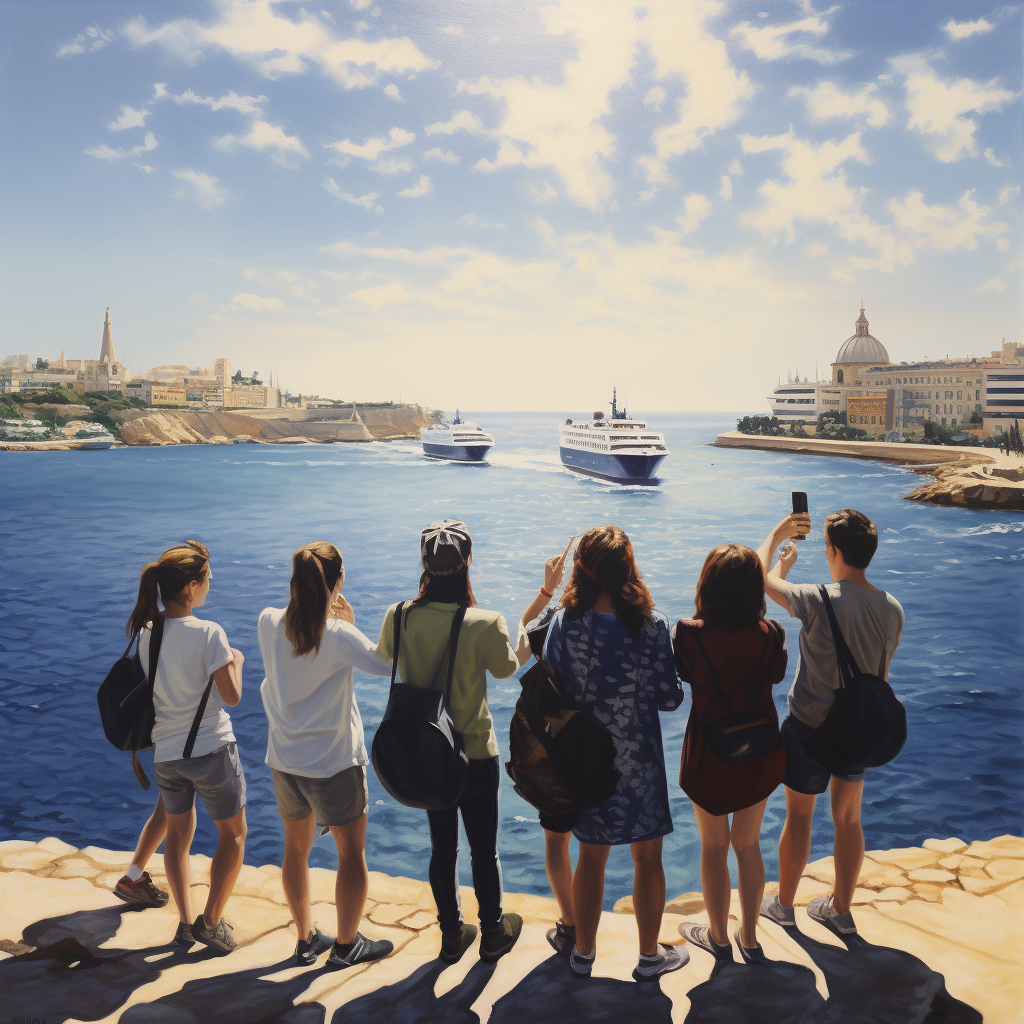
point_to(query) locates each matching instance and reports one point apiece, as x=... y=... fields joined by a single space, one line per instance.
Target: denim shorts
x=217 y=777
x=803 y=773
x=338 y=800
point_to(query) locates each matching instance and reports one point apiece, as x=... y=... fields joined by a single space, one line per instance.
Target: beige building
x=105 y=373
x=251 y=396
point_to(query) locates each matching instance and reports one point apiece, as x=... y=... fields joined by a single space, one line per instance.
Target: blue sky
x=511 y=205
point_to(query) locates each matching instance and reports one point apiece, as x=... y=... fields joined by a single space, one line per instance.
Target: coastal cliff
x=940 y=938
x=977 y=478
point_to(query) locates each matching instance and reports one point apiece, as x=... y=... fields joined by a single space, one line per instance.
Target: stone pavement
x=941 y=940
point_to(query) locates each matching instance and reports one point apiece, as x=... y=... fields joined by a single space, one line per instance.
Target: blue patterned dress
x=627 y=681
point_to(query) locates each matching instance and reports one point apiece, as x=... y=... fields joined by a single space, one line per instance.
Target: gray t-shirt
x=872 y=623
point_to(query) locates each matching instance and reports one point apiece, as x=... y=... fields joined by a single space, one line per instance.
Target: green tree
x=42 y=364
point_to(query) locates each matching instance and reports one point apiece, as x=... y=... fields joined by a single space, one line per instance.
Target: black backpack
x=867 y=725
x=125 y=698
x=417 y=753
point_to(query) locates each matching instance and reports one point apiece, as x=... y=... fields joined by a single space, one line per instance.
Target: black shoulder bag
x=867 y=725
x=417 y=753
x=125 y=699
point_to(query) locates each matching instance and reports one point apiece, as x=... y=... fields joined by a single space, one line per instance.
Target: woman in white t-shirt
x=315 y=745
x=193 y=653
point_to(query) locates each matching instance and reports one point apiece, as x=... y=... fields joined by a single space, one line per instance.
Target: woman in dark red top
x=733 y=755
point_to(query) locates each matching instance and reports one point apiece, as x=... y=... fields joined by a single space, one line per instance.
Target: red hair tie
x=586 y=572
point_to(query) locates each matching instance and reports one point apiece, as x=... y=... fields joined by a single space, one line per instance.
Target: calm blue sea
x=76 y=528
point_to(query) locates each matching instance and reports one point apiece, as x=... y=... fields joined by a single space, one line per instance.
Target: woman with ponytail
x=611 y=654
x=315 y=746
x=192 y=651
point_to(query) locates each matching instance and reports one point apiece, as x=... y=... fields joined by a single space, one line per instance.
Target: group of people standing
x=607 y=650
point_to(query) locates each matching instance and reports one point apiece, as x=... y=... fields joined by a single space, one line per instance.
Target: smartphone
x=799 y=505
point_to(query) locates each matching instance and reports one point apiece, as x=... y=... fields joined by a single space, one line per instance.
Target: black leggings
x=479 y=807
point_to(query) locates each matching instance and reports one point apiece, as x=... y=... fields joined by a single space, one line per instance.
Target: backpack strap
x=395 y=642
x=156 y=637
x=453 y=646
x=712 y=673
x=134 y=640
x=847 y=663
x=194 y=731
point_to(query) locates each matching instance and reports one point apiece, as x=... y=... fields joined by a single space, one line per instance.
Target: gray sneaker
x=218 y=938
x=773 y=910
x=667 y=959
x=700 y=935
x=824 y=912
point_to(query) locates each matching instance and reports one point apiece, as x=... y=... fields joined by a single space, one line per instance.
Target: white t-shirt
x=315 y=728
x=190 y=652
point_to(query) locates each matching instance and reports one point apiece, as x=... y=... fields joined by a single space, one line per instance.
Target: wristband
x=547 y=593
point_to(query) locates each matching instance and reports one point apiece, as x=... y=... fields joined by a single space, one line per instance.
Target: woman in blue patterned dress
x=610 y=653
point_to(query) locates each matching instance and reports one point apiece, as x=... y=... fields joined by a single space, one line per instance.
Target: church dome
x=862 y=347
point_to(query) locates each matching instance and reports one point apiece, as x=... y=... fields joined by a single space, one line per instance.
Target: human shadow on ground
x=413 y=1000
x=67 y=975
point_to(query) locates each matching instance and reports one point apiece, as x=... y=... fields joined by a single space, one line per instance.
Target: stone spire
x=862 y=321
x=107 y=348
x=62 y=364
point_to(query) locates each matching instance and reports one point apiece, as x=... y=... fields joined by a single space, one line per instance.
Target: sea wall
x=967 y=477
x=940 y=938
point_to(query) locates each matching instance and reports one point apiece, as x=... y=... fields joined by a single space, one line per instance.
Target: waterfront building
x=252 y=396
x=982 y=395
x=156 y=392
x=105 y=373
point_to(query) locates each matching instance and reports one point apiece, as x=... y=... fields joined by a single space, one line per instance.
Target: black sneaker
x=218 y=938
x=495 y=944
x=183 y=936
x=562 y=938
x=454 y=945
x=361 y=951
x=307 y=950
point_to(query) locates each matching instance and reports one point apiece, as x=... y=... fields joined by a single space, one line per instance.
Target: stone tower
x=107 y=347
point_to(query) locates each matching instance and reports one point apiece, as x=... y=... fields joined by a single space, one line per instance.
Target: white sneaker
x=773 y=910
x=667 y=959
x=824 y=912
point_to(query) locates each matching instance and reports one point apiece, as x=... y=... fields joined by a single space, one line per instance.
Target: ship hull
x=620 y=469
x=457 y=452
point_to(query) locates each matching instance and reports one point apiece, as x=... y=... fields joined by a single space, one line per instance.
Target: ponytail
x=167 y=578
x=316 y=569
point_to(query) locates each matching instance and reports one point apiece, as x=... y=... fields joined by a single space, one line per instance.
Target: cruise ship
x=457 y=441
x=619 y=449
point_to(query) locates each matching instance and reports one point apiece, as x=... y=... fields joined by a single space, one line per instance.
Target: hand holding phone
x=800 y=508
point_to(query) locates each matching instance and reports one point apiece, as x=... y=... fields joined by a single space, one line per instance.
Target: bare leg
x=298 y=841
x=226 y=863
x=588 y=894
x=849 y=848
x=714 y=870
x=180 y=830
x=353 y=881
x=746 y=842
x=794 y=843
x=151 y=836
x=559 y=871
x=648 y=893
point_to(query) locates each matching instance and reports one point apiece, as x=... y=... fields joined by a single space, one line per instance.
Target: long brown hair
x=604 y=561
x=316 y=569
x=171 y=573
x=730 y=591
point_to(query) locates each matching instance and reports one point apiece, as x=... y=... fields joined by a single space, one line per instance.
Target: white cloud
x=1008 y=192
x=360 y=5
x=990 y=156
x=541 y=195
x=993 y=284
x=232 y=101
x=736 y=167
x=278 y=40
x=382 y=295
x=696 y=208
x=145 y=168
x=105 y=152
x=130 y=118
x=437 y=153
x=469 y=218
x=726 y=190
x=464 y=120
x=160 y=91
x=90 y=40
x=392 y=90
x=201 y=188
x=965 y=29
x=453 y=30
x=1002 y=244
x=267 y=136
x=372 y=148
x=937 y=107
x=258 y=303
x=148 y=143
x=364 y=201
x=826 y=100
x=392 y=165
x=655 y=97
x=773 y=42
x=645 y=195
x=421 y=188
x=946 y=227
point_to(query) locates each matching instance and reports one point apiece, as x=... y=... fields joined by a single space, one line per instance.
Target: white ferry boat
x=619 y=449
x=457 y=441
x=89 y=435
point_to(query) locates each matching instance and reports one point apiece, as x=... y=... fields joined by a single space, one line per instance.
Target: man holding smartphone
x=872 y=623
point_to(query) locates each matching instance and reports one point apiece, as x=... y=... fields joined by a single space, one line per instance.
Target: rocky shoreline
x=976 y=478
x=941 y=938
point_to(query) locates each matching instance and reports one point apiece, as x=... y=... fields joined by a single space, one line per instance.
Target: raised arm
x=796 y=524
x=553 y=568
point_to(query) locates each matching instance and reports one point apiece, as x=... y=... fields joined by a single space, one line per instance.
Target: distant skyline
x=511 y=205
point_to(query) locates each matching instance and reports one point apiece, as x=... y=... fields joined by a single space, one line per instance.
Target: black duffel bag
x=867 y=725
x=417 y=753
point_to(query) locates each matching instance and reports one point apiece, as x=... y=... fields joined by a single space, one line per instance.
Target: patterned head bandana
x=445 y=546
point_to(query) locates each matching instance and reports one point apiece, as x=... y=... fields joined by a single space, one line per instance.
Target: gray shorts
x=217 y=777
x=338 y=800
